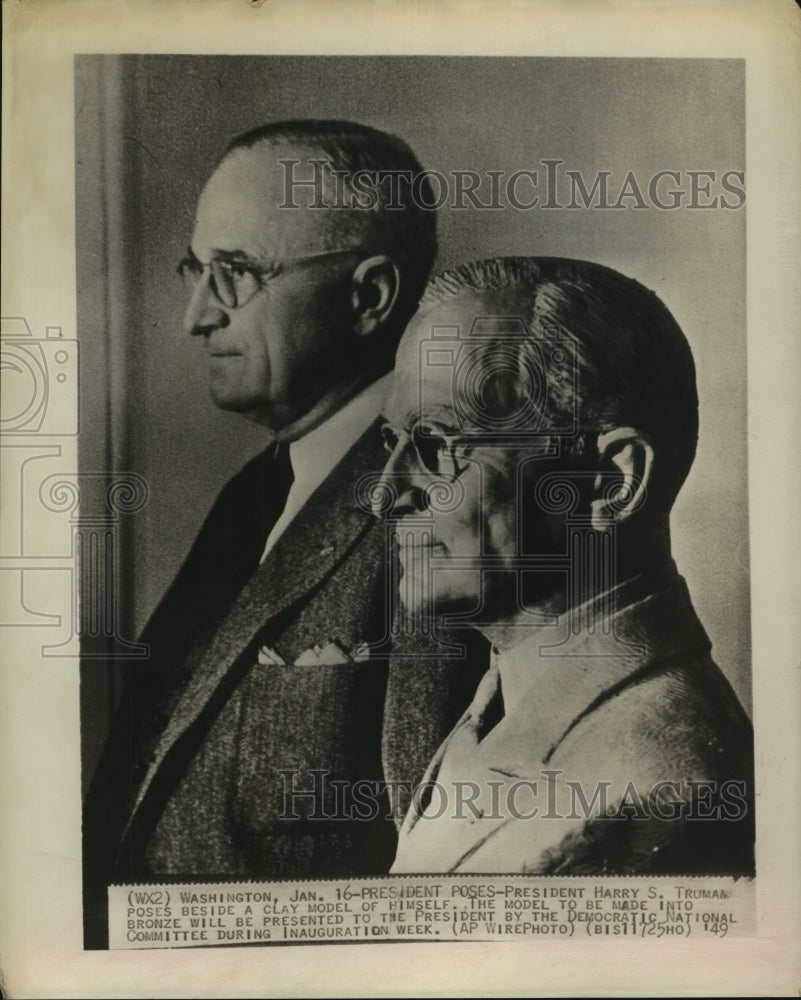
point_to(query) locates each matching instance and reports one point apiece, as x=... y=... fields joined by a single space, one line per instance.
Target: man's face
x=469 y=515
x=276 y=355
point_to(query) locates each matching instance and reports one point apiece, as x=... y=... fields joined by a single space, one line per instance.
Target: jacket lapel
x=322 y=535
x=581 y=672
x=570 y=680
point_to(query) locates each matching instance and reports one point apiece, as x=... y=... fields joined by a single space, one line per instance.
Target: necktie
x=277 y=479
x=242 y=530
x=486 y=710
x=225 y=554
x=458 y=756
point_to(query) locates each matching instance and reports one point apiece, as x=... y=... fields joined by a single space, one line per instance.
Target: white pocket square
x=329 y=655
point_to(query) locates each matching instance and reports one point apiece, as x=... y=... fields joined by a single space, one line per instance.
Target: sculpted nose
x=204 y=313
x=400 y=490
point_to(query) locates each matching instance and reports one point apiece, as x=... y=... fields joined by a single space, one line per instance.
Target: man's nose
x=401 y=490
x=204 y=312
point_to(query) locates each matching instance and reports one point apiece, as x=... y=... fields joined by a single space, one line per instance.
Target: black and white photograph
x=404 y=467
x=523 y=457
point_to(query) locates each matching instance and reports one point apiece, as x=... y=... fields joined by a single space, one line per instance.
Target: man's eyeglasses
x=437 y=451
x=235 y=280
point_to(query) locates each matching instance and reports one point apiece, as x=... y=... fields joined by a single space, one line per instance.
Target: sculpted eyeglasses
x=234 y=280
x=437 y=451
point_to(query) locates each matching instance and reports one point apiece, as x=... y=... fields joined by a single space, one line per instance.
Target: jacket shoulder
x=681 y=721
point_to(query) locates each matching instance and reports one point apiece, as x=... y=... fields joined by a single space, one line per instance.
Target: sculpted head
x=298 y=288
x=528 y=391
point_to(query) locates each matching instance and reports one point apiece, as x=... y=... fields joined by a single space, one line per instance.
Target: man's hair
x=406 y=232
x=632 y=362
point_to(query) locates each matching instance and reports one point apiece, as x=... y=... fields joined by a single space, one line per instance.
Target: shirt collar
x=317 y=453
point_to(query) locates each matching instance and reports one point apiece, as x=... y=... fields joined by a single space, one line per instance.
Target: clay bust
x=543 y=418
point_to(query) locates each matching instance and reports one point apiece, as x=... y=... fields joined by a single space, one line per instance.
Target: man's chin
x=423 y=592
x=253 y=411
x=225 y=397
x=437 y=606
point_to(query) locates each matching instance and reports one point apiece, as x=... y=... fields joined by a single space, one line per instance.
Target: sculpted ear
x=374 y=293
x=626 y=461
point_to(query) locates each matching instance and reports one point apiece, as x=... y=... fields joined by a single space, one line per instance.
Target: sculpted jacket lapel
x=322 y=535
x=587 y=669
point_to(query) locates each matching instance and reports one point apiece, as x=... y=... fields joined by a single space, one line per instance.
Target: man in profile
x=238 y=746
x=542 y=420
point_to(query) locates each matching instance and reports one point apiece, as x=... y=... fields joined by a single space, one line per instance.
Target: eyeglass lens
x=431 y=448
x=232 y=284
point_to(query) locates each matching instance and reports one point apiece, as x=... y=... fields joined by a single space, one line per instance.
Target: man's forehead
x=262 y=161
x=433 y=346
x=469 y=313
x=243 y=205
x=420 y=393
x=423 y=382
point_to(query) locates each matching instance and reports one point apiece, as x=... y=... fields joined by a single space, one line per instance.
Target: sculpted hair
x=633 y=364
x=407 y=232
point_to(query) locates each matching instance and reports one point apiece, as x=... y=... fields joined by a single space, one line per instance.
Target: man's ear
x=374 y=292
x=621 y=487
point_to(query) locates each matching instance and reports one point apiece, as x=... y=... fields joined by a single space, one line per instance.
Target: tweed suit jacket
x=628 y=753
x=236 y=750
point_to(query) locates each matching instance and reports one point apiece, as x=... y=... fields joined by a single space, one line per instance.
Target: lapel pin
x=361 y=652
